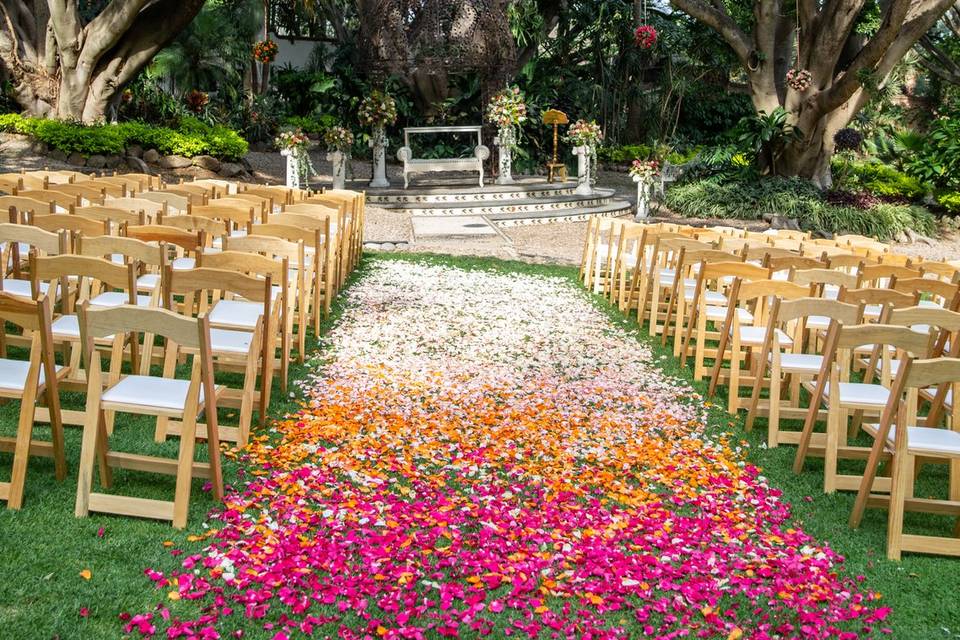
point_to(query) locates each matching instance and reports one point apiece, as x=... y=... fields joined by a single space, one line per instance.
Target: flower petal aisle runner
x=485 y=454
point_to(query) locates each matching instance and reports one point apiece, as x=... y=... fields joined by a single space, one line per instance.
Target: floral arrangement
x=297 y=144
x=197 y=100
x=292 y=140
x=507 y=109
x=338 y=139
x=645 y=171
x=799 y=79
x=379 y=109
x=265 y=51
x=584 y=134
x=645 y=36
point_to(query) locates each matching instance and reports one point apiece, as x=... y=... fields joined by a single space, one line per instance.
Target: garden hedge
x=752 y=198
x=191 y=138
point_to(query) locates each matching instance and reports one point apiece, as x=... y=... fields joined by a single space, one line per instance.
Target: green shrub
x=950 y=201
x=719 y=197
x=624 y=154
x=749 y=199
x=879 y=179
x=192 y=138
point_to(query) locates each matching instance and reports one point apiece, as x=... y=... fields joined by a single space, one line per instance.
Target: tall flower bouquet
x=265 y=51
x=507 y=111
x=377 y=110
x=338 y=139
x=645 y=171
x=584 y=134
x=295 y=144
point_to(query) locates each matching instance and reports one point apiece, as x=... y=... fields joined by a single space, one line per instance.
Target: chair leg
x=89 y=444
x=188 y=442
x=21 y=451
x=773 y=415
x=901 y=489
x=834 y=424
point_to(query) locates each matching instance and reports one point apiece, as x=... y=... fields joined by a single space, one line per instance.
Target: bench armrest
x=404 y=154
x=481 y=152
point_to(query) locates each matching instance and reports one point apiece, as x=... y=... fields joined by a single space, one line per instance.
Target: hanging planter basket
x=645 y=36
x=799 y=79
x=265 y=51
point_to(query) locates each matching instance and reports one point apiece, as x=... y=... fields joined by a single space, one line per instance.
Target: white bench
x=413 y=165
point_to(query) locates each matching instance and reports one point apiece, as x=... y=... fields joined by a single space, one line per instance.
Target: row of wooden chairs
x=159 y=312
x=840 y=333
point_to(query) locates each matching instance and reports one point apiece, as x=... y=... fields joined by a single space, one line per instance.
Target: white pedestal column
x=505 y=141
x=584 y=186
x=293 y=169
x=643 y=199
x=339 y=161
x=379 y=145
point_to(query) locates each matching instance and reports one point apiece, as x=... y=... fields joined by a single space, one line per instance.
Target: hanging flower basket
x=265 y=51
x=645 y=36
x=799 y=79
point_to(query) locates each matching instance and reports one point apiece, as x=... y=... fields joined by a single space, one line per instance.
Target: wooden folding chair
x=791 y=362
x=879 y=276
x=60 y=201
x=625 y=261
x=26 y=381
x=745 y=333
x=247 y=352
x=708 y=302
x=18 y=206
x=900 y=434
x=148 y=207
x=17 y=241
x=164 y=396
x=166 y=198
x=242 y=314
x=313 y=216
x=299 y=271
x=185 y=245
x=112 y=216
x=834 y=389
x=317 y=256
x=73 y=225
x=95 y=281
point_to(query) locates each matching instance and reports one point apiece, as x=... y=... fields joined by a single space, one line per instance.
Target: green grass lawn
x=44 y=549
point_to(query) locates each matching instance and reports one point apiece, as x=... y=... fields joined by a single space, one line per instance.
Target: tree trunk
x=62 y=67
x=827 y=45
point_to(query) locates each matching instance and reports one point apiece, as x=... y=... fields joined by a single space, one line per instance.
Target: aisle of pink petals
x=486 y=454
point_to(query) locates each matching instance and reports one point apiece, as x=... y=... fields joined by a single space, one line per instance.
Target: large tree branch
x=937 y=62
x=716 y=17
x=104 y=31
x=867 y=59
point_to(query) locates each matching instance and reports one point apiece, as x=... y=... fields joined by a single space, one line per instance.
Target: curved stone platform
x=527 y=201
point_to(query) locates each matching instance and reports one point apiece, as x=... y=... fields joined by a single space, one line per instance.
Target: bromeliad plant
x=378 y=110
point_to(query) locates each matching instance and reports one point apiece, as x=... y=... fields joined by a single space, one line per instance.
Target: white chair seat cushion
x=150 y=391
x=22 y=288
x=714 y=298
x=799 y=362
x=929 y=304
x=236 y=313
x=717 y=314
x=830 y=291
x=818 y=322
x=754 y=336
x=860 y=393
x=928 y=441
x=228 y=341
x=117 y=298
x=667 y=277
x=13 y=374
x=181 y=264
x=148 y=281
